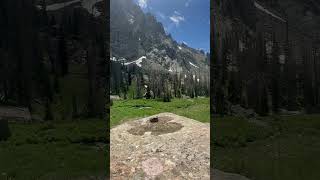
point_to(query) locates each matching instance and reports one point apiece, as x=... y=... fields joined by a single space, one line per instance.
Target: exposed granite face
x=135 y=34
x=178 y=149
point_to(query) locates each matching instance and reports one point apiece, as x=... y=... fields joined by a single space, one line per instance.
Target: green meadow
x=64 y=150
x=124 y=110
x=278 y=148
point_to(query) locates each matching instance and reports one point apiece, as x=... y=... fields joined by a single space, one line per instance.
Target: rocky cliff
x=138 y=38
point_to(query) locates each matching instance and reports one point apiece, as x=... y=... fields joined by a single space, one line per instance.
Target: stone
x=152 y=167
x=237 y=110
x=159 y=153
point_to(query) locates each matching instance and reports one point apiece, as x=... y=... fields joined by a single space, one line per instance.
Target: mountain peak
x=141 y=35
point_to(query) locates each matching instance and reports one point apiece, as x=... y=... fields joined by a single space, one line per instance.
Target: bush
x=4 y=130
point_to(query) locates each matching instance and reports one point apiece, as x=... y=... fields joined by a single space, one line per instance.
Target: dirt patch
x=157 y=126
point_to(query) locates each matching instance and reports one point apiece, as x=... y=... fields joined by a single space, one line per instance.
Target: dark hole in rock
x=155 y=119
x=164 y=119
x=157 y=126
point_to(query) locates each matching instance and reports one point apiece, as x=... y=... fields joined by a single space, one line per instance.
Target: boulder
x=173 y=147
x=237 y=110
x=15 y=114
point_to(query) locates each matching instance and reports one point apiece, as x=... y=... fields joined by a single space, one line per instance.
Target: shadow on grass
x=285 y=150
x=65 y=150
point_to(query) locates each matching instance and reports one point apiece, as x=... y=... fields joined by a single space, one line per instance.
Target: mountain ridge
x=135 y=34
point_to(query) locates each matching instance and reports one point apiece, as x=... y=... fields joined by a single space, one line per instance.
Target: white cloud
x=177 y=13
x=142 y=3
x=176 y=18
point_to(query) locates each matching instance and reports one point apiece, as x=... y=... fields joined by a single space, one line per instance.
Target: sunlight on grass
x=122 y=110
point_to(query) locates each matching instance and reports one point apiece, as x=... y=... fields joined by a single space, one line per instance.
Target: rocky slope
x=90 y=5
x=138 y=38
x=302 y=15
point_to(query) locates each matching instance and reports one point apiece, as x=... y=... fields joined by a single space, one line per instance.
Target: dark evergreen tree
x=4 y=130
x=75 y=113
x=53 y=21
x=49 y=114
x=148 y=93
x=63 y=55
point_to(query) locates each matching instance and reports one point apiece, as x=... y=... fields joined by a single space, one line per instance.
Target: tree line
x=40 y=50
x=132 y=82
x=270 y=68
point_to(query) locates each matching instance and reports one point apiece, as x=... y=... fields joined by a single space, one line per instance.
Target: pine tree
x=63 y=56
x=49 y=114
x=74 y=107
x=53 y=21
x=148 y=93
x=4 y=130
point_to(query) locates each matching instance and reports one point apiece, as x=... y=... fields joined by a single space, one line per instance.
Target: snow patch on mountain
x=57 y=6
x=89 y=5
x=260 y=7
x=121 y=59
x=131 y=19
x=137 y=62
x=193 y=64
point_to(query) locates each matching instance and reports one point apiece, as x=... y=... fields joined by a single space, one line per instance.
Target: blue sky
x=186 y=20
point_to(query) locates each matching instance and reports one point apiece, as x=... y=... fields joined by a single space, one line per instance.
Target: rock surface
x=15 y=114
x=166 y=151
x=220 y=175
x=140 y=40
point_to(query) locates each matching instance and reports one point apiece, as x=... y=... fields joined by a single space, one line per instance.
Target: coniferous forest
x=265 y=88
x=264 y=60
x=75 y=72
x=43 y=50
x=53 y=94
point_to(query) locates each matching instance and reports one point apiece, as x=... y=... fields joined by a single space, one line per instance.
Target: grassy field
x=60 y=150
x=285 y=148
x=122 y=110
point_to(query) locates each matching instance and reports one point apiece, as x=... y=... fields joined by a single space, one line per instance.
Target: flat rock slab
x=18 y=114
x=173 y=147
